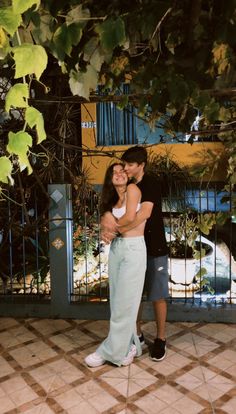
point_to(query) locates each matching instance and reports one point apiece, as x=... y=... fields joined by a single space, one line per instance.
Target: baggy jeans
x=126 y=267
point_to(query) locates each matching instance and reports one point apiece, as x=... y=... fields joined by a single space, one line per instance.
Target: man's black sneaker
x=158 y=350
x=141 y=339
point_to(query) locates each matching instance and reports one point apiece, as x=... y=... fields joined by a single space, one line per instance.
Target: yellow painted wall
x=184 y=154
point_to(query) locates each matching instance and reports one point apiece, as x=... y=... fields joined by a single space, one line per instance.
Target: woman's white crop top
x=119 y=212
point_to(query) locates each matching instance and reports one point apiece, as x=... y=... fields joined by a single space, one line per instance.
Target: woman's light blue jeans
x=126 y=267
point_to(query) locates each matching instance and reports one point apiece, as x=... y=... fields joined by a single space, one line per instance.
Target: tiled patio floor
x=42 y=370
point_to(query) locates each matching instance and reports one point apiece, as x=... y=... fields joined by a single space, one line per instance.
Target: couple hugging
x=131 y=211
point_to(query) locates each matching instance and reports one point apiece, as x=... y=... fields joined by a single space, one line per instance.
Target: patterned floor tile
x=178 y=360
x=69 y=399
x=208 y=392
x=150 y=404
x=230 y=406
x=168 y=394
x=188 y=406
x=17 y=392
x=40 y=409
x=49 y=326
x=188 y=381
x=6 y=405
x=7 y=323
x=32 y=354
x=42 y=370
x=5 y=368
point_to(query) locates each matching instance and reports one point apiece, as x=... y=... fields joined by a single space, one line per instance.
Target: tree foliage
x=179 y=58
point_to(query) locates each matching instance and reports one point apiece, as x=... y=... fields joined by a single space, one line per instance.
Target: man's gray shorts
x=156 y=279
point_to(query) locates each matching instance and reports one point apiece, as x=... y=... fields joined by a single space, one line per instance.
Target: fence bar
x=61 y=245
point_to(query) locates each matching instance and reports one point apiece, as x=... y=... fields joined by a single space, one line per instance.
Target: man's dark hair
x=135 y=154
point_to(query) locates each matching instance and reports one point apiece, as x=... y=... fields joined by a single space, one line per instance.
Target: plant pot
x=183 y=270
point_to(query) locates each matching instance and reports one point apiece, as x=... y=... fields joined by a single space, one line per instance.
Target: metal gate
x=65 y=275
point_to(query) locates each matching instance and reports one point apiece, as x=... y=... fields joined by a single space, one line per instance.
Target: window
x=115 y=126
x=124 y=127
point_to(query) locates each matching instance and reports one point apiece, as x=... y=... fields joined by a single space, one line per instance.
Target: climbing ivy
x=179 y=58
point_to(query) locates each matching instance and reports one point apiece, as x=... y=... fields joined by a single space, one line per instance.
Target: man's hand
x=108 y=227
x=107 y=237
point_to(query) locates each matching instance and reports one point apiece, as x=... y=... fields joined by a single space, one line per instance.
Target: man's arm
x=109 y=227
x=143 y=214
x=133 y=196
x=109 y=224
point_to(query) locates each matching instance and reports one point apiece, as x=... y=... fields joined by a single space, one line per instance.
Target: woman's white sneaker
x=129 y=358
x=94 y=360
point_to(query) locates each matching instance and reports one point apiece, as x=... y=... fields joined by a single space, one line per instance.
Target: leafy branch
x=177 y=56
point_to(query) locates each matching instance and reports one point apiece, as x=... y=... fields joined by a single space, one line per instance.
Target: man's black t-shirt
x=154 y=229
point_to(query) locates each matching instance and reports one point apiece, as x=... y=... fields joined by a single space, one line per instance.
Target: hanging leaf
x=221 y=53
x=171 y=43
x=61 y=44
x=17 y=96
x=3 y=38
x=3 y=52
x=20 y=6
x=111 y=33
x=64 y=38
x=119 y=64
x=18 y=144
x=222 y=217
x=74 y=33
x=123 y=102
x=202 y=271
x=82 y=82
x=200 y=99
x=34 y=118
x=4 y=44
x=225 y=114
x=42 y=31
x=94 y=54
x=5 y=169
x=9 y=20
x=30 y=59
x=97 y=60
x=78 y=15
x=211 y=111
x=90 y=48
x=178 y=90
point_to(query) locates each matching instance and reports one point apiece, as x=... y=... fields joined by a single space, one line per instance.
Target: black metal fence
x=207 y=279
x=204 y=221
x=24 y=256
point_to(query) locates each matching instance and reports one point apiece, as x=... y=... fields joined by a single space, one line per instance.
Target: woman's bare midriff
x=137 y=231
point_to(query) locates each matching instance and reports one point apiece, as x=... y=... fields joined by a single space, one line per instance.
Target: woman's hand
x=108 y=227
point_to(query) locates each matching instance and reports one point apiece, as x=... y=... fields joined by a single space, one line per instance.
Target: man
x=156 y=280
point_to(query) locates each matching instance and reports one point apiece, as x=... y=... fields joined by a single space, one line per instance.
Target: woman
x=126 y=266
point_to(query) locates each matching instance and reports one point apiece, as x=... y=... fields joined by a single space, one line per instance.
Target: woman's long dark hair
x=109 y=195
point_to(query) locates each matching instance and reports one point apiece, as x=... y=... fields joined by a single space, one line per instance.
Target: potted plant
x=174 y=179
x=186 y=248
